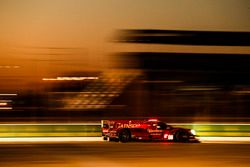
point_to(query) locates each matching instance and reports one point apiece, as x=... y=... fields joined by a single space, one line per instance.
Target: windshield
x=163 y=126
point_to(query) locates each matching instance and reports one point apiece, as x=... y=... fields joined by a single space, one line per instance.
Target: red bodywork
x=151 y=129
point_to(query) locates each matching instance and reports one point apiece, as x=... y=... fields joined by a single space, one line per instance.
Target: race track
x=115 y=154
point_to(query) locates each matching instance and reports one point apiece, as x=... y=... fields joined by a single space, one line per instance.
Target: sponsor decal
x=154 y=131
x=129 y=125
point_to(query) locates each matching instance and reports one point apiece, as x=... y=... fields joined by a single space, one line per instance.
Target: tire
x=124 y=136
x=108 y=139
x=178 y=136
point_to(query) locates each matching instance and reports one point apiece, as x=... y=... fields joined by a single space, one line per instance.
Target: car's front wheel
x=180 y=136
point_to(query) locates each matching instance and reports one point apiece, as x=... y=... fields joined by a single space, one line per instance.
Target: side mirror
x=168 y=127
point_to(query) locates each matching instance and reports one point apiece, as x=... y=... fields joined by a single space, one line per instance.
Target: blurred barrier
x=50 y=130
x=218 y=130
x=94 y=130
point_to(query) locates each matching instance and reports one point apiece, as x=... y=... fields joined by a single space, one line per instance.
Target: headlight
x=193 y=132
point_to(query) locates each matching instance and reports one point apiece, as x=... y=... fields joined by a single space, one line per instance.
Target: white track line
x=223 y=139
x=84 y=139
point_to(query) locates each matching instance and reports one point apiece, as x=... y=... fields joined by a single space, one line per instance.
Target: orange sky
x=43 y=37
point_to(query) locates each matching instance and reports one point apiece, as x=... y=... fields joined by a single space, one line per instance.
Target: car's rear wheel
x=124 y=136
x=108 y=139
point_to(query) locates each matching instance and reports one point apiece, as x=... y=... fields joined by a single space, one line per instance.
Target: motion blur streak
x=5 y=108
x=47 y=139
x=8 y=94
x=68 y=78
x=37 y=140
x=225 y=139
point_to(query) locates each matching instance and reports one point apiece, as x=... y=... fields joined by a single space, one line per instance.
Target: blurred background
x=88 y=60
x=67 y=64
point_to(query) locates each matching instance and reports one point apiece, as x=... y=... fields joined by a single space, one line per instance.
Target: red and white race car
x=146 y=130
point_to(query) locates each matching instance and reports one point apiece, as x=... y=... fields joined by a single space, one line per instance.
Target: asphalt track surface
x=115 y=154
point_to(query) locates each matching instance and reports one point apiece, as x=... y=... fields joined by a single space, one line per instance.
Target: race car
x=145 y=130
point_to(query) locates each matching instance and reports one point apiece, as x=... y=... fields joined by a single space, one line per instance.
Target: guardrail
x=94 y=130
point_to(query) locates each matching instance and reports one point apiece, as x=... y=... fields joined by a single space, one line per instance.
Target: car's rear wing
x=103 y=123
x=107 y=123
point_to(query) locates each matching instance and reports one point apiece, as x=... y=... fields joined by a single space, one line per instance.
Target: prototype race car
x=145 y=130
